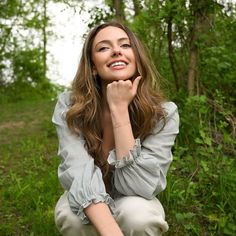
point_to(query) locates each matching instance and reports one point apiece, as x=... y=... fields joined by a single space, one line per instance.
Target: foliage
x=23 y=51
x=29 y=186
x=201 y=191
x=28 y=81
x=218 y=56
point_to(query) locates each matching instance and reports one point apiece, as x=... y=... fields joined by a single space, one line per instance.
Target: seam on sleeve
x=126 y=160
x=106 y=199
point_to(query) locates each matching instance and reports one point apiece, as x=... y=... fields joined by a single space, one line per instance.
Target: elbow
x=65 y=182
x=156 y=187
x=147 y=196
x=154 y=190
x=153 y=193
x=161 y=185
x=65 y=177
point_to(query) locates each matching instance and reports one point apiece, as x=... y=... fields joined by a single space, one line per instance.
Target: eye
x=101 y=49
x=126 y=45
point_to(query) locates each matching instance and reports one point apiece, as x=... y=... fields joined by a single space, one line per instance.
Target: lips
x=117 y=63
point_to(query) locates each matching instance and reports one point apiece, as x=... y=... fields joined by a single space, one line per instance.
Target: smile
x=117 y=63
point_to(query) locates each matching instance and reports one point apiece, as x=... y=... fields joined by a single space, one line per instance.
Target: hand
x=121 y=93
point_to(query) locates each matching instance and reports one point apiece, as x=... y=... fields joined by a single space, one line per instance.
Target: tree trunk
x=119 y=10
x=192 y=71
x=201 y=11
x=193 y=58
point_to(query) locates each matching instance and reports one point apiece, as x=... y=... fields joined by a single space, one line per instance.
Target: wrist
x=120 y=117
x=111 y=229
x=121 y=125
x=118 y=109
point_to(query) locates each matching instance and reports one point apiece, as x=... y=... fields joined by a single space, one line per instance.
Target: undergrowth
x=201 y=191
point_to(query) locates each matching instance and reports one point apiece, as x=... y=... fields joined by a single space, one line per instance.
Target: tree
x=21 y=26
x=24 y=36
x=118 y=6
x=200 y=24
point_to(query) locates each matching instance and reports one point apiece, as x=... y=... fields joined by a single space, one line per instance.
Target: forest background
x=193 y=46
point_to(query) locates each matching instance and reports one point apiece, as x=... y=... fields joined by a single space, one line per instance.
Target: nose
x=116 y=52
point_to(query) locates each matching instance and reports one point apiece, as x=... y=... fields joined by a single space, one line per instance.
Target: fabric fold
x=129 y=159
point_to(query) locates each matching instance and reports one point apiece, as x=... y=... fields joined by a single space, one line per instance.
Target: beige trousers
x=136 y=216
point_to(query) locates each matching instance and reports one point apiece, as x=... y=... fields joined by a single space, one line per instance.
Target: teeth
x=118 y=63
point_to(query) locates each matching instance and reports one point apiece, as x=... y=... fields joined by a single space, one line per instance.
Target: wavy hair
x=84 y=115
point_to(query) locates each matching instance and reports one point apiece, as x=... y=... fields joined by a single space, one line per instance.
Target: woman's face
x=112 y=55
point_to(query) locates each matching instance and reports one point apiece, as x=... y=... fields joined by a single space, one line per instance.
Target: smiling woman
x=112 y=55
x=115 y=133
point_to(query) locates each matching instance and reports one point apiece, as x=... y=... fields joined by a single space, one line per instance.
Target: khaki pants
x=136 y=216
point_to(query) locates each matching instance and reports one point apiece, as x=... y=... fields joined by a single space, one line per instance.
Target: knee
x=67 y=221
x=132 y=219
x=137 y=214
x=133 y=222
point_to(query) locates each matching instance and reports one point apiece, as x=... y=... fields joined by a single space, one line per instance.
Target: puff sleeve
x=143 y=172
x=77 y=172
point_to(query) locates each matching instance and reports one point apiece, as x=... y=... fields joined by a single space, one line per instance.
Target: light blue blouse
x=142 y=172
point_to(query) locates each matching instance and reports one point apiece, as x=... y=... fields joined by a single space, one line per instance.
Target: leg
x=140 y=217
x=68 y=223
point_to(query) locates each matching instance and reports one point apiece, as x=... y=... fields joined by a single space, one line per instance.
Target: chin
x=117 y=77
x=123 y=77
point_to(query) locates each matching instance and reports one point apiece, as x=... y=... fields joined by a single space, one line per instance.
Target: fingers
x=124 y=86
x=120 y=84
x=136 y=83
x=122 y=92
x=126 y=83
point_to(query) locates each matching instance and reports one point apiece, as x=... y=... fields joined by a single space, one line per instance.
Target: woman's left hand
x=120 y=93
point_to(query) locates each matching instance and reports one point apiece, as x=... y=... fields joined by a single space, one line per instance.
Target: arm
x=79 y=176
x=122 y=130
x=140 y=168
x=143 y=171
x=119 y=96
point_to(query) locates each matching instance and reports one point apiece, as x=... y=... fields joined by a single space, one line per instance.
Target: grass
x=199 y=198
x=28 y=165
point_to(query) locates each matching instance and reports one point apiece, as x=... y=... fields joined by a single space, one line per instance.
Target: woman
x=115 y=137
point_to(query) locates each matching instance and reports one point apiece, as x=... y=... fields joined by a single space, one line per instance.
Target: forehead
x=110 y=33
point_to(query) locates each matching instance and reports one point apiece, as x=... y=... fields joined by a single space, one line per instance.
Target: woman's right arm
x=79 y=175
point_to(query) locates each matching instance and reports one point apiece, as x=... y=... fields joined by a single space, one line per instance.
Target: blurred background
x=192 y=44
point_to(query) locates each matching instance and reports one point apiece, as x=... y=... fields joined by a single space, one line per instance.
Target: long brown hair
x=84 y=115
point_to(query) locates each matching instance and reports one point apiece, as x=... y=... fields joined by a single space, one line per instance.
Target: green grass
x=29 y=187
x=200 y=198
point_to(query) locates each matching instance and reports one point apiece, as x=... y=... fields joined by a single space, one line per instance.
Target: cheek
x=133 y=57
x=98 y=60
x=134 y=62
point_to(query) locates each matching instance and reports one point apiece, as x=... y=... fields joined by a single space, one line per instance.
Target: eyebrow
x=109 y=41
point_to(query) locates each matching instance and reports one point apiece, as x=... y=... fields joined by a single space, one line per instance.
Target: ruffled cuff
x=80 y=212
x=127 y=160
